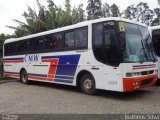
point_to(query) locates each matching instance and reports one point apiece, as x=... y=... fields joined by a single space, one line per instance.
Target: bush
x=1 y=68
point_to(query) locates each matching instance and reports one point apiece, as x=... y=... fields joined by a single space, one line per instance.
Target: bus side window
x=6 y=49
x=26 y=46
x=39 y=44
x=110 y=47
x=98 y=42
x=81 y=37
x=49 y=42
x=19 y=47
x=11 y=48
x=32 y=45
x=69 y=40
x=58 y=42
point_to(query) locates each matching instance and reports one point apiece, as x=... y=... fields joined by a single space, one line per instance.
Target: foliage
x=1 y=67
x=47 y=18
x=3 y=37
x=53 y=16
x=142 y=13
x=156 y=20
x=130 y=12
x=115 y=11
x=106 y=10
x=94 y=9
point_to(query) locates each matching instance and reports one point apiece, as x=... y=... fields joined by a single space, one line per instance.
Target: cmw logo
x=32 y=58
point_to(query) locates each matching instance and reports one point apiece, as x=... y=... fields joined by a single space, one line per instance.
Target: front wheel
x=88 y=85
x=24 y=77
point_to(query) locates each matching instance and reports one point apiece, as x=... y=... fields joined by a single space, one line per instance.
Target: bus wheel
x=87 y=84
x=24 y=77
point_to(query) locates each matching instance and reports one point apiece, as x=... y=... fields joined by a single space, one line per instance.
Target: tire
x=24 y=77
x=88 y=85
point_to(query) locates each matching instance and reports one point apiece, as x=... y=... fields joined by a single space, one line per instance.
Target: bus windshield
x=139 y=47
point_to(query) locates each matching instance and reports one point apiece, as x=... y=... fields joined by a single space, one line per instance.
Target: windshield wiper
x=150 y=49
x=143 y=49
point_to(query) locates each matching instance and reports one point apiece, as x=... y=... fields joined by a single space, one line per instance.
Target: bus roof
x=81 y=24
x=155 y=27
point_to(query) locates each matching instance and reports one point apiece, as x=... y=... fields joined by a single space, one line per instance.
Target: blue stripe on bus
x=64 y=77
x=11 y=72
x=63 y=81
x=144 y=65
x=13 y=58
x=38 y=75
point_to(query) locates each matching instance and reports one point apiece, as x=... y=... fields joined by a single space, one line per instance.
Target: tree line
x=53 y=16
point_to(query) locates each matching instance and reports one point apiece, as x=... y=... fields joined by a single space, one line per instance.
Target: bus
x=112 y=54
x=155 y=34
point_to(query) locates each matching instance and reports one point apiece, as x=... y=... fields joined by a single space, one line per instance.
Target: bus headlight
x=128 y=74
x=134 y=74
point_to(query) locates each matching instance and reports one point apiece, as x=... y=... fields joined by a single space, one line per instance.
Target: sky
x=13 y=9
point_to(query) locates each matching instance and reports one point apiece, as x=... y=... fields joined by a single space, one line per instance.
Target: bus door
x=112 y=55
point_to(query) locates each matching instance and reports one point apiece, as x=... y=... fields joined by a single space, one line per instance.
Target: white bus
x=155 y=34
x=110 y=54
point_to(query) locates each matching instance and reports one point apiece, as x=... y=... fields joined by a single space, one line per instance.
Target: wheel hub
x=88 y=84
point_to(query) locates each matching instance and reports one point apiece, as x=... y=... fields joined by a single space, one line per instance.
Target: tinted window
x=59 y=41
x=156 y=41
x=10 y=48
x=22 y=46
x=81 y=37
x=6 y=49
x=69 y=40
x=98 y=42
x=32 y=44
x=111 y=47
x=53 y=41
x=25 y=46
x=39 y=44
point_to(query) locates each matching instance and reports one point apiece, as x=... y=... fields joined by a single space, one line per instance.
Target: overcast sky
x=13 y=9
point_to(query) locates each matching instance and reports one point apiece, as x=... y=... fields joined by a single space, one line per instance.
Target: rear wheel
x=24 y=77
x=88 y=85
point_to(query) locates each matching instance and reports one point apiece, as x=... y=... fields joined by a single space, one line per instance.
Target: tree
x=106 y=10
x=115 y=12
x=144 y=13
x=78 y=14
x=141 y=12
x=47 y=18
x=68 y=17
x=3 y=37
x=94 y=9
x=130 y=12
x=159 y=2
x=35 y=21
x=156 y=20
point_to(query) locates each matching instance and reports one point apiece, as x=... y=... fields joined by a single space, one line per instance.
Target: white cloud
x=13 y=9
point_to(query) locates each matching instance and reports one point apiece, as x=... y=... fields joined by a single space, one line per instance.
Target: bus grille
x=147 y=72
x=146 y=82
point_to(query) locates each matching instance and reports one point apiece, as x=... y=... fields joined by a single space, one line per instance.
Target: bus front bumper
x=132 y=84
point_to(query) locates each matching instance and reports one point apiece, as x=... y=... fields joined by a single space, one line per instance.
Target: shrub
x=1 y=68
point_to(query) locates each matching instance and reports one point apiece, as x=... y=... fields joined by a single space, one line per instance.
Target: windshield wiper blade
x=143 y=49
x=150 y=49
